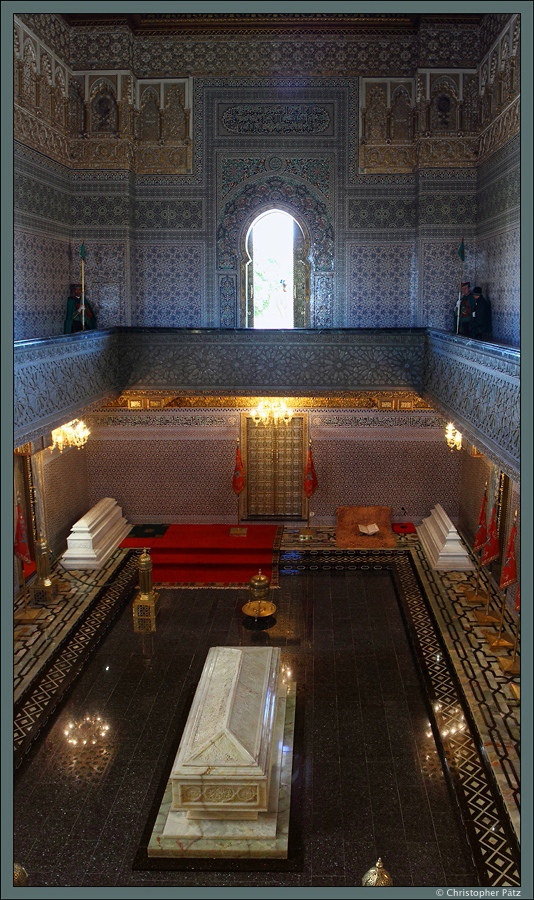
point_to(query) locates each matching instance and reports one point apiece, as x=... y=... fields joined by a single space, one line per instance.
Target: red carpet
x=209 y=555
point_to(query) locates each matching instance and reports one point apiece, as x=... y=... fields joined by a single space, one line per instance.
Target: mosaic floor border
x=486 y=817
x=39 y=700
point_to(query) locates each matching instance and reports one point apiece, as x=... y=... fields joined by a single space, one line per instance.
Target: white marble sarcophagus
x=229 y=788
x=442 y=543
x=95 y=536
x=223 y=765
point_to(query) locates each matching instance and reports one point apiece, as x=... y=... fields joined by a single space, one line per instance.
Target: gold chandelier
x=73 y=434
x=453 y=437
x=274 y=411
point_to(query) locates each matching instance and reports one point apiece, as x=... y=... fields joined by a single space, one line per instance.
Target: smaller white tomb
x=442 y=543
x=95 y=536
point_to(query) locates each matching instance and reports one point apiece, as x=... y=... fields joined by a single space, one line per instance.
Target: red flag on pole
x=310 y=482
x=482 y=532
x=509 y=574
x=491 y=547
x=21 y=541
x=238 y=478
x=517 y=599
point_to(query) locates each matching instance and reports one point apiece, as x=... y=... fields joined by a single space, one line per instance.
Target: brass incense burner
x=258 y=606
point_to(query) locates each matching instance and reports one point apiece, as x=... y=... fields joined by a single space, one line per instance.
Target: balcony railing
x=476 y=384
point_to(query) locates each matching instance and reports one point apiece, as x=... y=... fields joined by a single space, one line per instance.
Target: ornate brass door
x=275 y=458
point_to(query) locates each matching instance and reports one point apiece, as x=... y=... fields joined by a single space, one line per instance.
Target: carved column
x=460 y=116
x=19 y=65
x=364 y=125
x=37 y=96
x=513 y=75
x=388 y=124
x=412 y=124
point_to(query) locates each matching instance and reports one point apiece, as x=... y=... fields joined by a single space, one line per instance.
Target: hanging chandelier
x=274 y=412
x=73 y=434
x=453 y=438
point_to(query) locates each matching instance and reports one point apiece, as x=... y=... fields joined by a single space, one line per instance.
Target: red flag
x=482 y=532
x=491 y=547
x=509 y=574
x=21 y=541
x=310 y=478
x=238 y=478
x=517 y=599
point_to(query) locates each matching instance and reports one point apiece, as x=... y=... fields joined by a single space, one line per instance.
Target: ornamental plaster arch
x=314 y=220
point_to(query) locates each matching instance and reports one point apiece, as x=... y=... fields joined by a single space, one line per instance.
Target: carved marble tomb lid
x=229 y=728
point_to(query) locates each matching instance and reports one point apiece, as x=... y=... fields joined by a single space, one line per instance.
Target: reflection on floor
x=367 y=763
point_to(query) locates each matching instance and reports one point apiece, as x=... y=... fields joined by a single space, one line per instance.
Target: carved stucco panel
x=277 y=364
x=488 y=399
x=47 y=383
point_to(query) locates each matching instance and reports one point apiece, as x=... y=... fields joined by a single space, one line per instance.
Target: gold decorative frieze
x=387 y=159
x=447 y=151
x=105 y=153
x=153 y=159
x=153 y=400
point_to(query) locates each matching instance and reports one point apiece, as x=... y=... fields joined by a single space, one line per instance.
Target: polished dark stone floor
x=368 y=779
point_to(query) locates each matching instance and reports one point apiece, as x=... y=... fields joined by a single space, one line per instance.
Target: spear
x=82 y=254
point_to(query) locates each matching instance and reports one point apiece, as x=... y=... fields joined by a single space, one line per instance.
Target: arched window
x=276 y=272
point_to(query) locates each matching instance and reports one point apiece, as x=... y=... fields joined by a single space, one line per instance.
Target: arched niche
x=317 y=253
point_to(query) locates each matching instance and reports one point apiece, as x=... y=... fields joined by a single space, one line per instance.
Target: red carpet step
x=210 y=554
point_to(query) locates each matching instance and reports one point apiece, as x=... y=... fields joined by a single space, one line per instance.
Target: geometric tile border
x=41 y=698
x=485 y=686
x=492 y=837
x=462 y=741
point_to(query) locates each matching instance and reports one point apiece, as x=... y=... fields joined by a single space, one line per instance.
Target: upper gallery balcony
x=473 y=382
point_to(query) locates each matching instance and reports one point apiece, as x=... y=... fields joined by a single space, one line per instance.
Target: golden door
x=275 y=460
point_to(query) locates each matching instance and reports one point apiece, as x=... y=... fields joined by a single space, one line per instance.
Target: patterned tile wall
x=410 y=474
x=169 y=480
x=168 y=285
x=498 y=254
x=41 y=284
x=52 y=30
x=164 y=480
x=381 y=285
x=499 y=277
x=66 y=492
x=279 y=52
x=56 y=379
x=439 y=280
x=106 y=279
x=255 y=56
x=42 y=252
